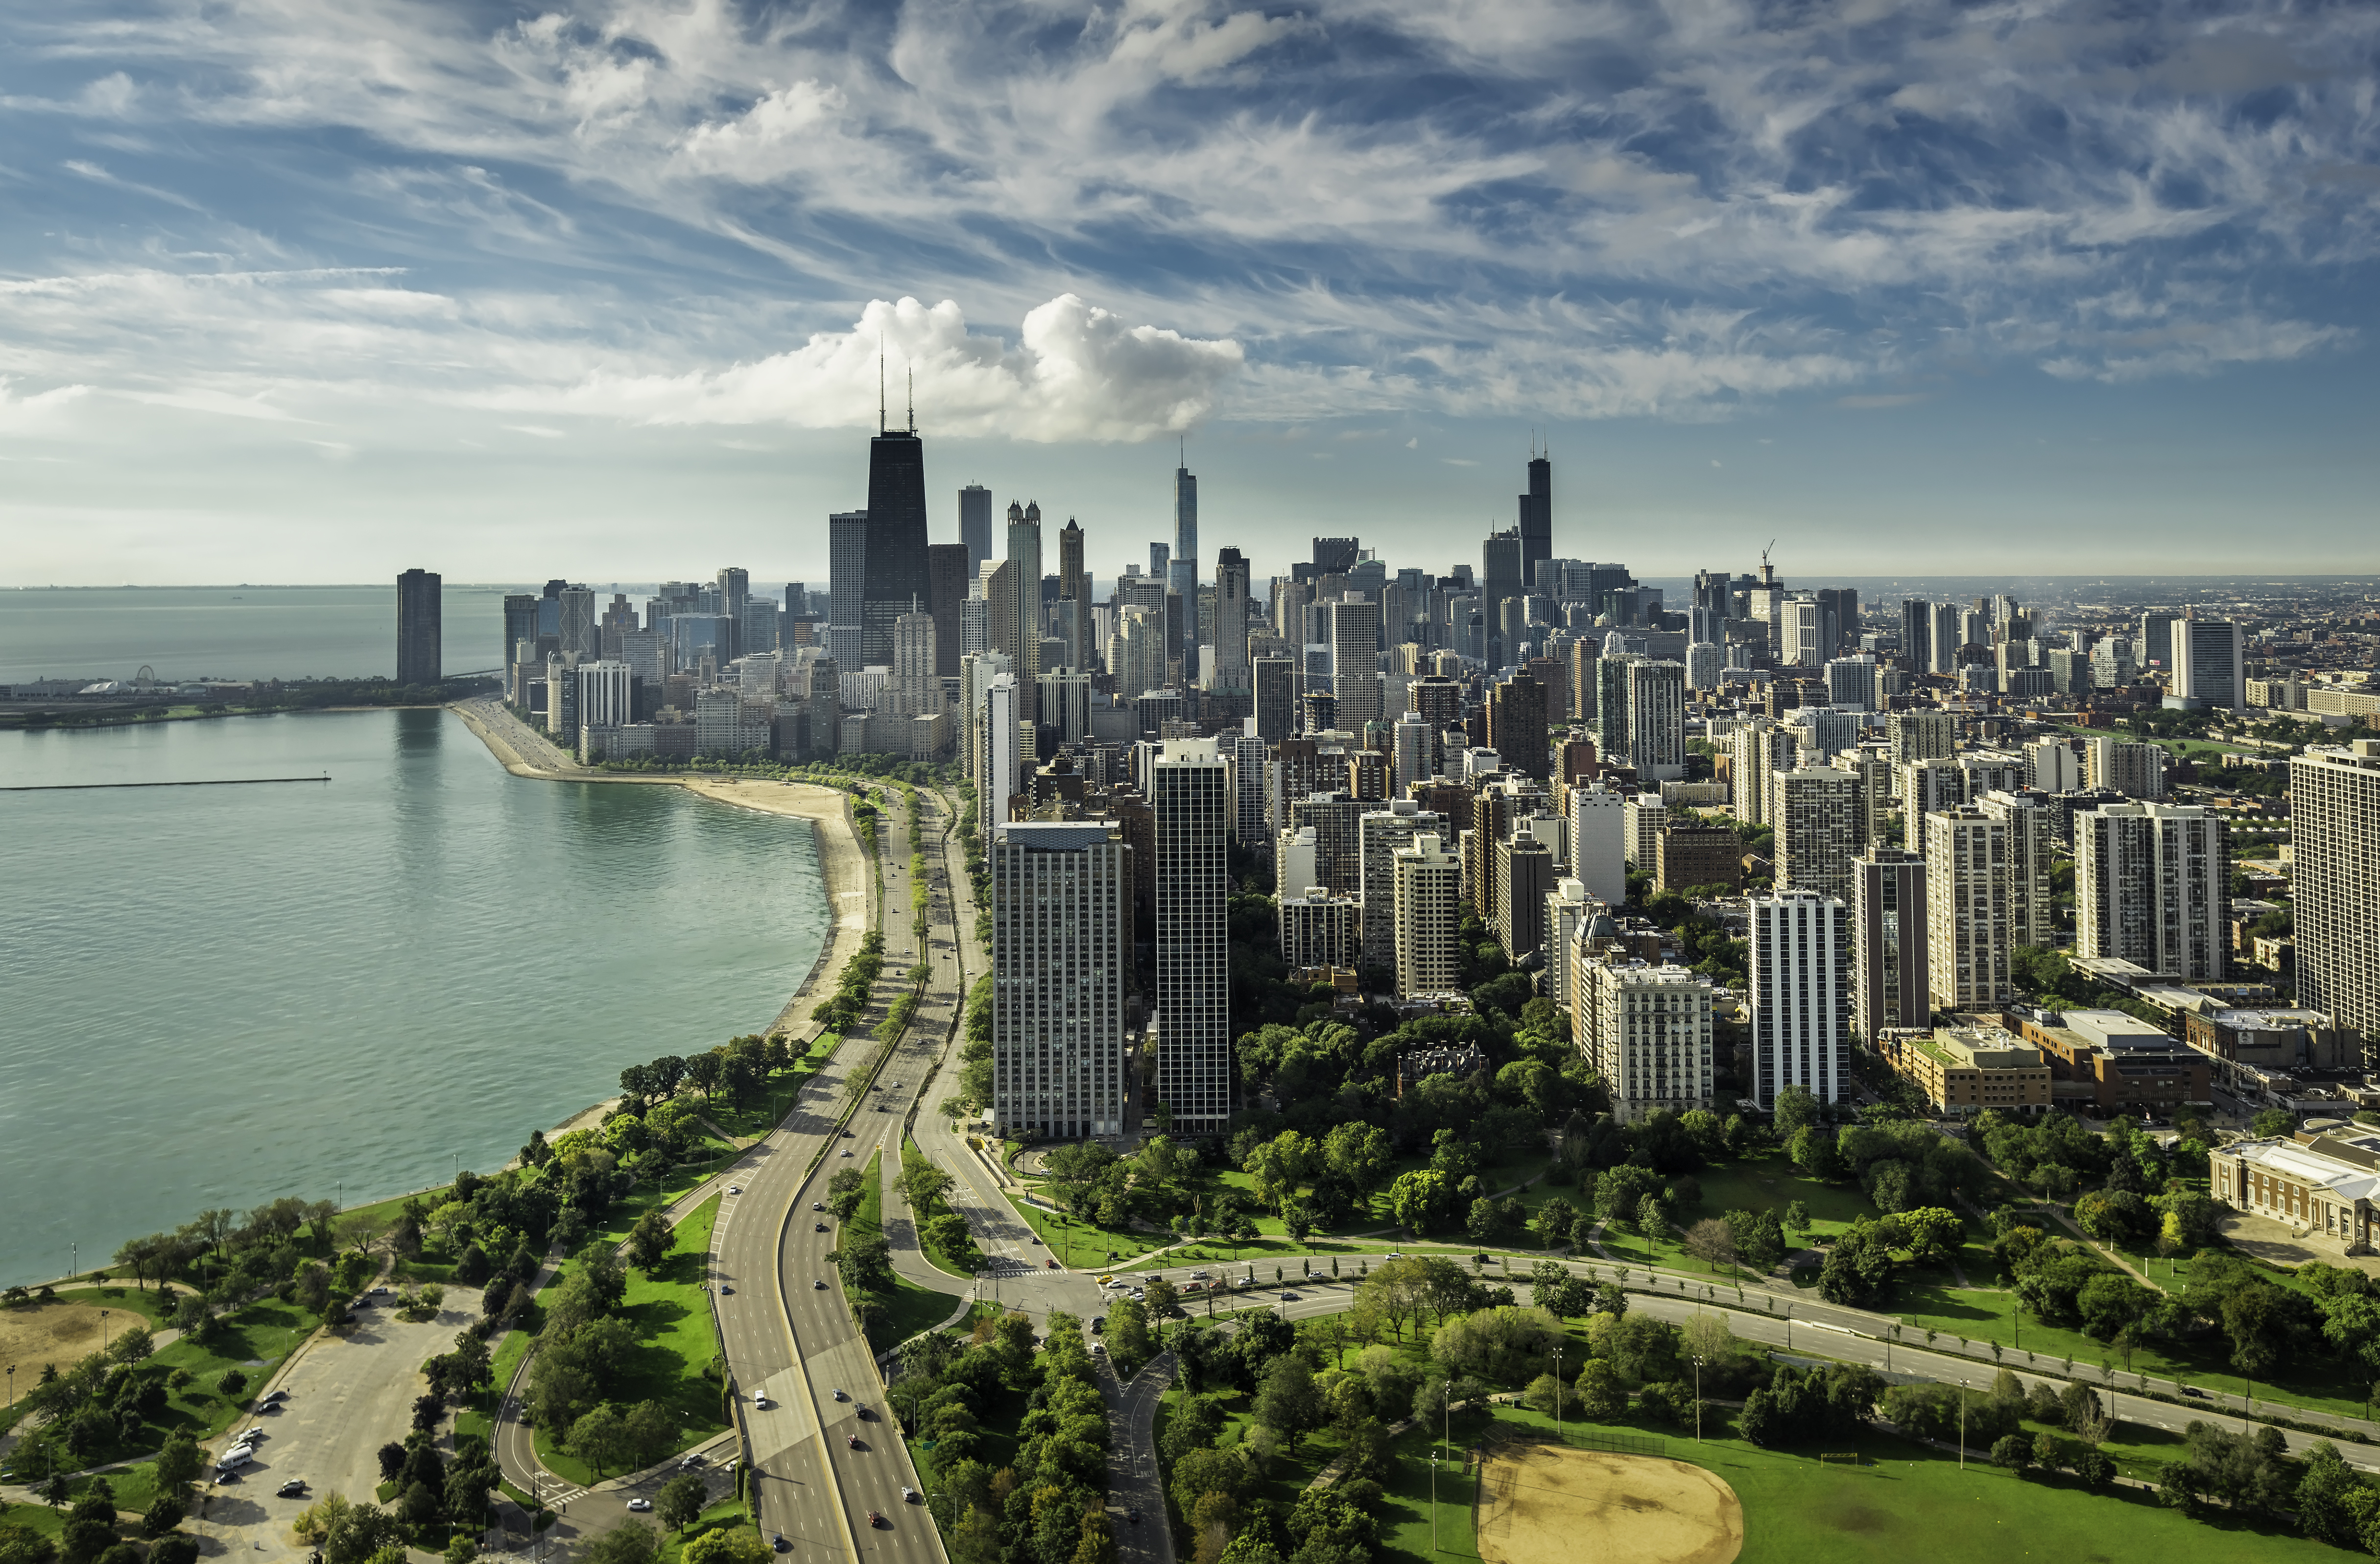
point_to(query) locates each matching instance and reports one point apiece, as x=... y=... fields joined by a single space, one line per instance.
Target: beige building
x=2322 y=1182
x=1429 y=916
x=1963 y=1070
x=1320 y=929
x=1646 y=1029
x=1814 y=811
x=1967 y=909
x=2335 y=874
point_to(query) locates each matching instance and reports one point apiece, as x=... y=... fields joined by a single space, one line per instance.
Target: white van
x=235 y=1458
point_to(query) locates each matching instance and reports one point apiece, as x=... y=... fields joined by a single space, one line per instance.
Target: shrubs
x=1802 y=1405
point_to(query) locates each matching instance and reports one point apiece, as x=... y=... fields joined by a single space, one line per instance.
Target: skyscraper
x=581 y=631
x=946 y=592
x=847 y=545
x=1074 y=589
x=1182 y=571
x=1917 y=635
x=1801 y=995
x=2152 y=885
x=734 y=591
x=896 y=566
x=1429 y=912
x=1816 y=830
x=1516 y=725
x=2334 y=827
x=520 y=624
x=1354 y=634
x=1023 y=562
x=1967 y=945
x=1276 y=697
x=1230 y=630
x=1499 y=561
x=2207 y=663
x=1537 y=526
x=1193 y=814
x=1889 y=978
x=1061 y=926
x=1657 y=720
x=974 y=526
x=421 y=638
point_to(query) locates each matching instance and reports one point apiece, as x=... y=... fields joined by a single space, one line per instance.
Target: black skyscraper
x=1536 y=519
x=946 y=574
x=895 y=575
x=419 y=632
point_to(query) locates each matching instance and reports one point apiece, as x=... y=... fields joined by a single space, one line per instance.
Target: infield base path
x=1542 y=1504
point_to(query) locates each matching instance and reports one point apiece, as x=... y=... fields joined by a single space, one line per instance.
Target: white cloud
x=1078 y=372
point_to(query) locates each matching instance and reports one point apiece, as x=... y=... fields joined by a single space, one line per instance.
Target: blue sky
x=296 y=291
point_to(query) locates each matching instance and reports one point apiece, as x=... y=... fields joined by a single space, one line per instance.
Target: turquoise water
x=215 y=996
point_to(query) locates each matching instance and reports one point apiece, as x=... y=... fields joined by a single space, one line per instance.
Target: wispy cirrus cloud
x=1172 y=209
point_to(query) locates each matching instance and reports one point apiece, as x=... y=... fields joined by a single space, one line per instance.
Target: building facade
x=2152 y=885
x=2335 y=879
x=1801 y=995
x=1060 y=958
x=1888 y=969
x=1645 y=1030
x=1428 y=917
x=1189 y=793
x=1967 y=944
x=421 y=634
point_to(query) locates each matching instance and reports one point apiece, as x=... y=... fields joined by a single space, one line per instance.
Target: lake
x=212 y=996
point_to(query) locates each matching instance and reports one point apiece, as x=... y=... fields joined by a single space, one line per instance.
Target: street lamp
x=102 y=1330
x=1557 y=1390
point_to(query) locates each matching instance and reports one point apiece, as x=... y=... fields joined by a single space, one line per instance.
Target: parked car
x=294 y=1488
x=640 y=1506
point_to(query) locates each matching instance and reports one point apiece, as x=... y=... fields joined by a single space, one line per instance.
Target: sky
x=300 y=292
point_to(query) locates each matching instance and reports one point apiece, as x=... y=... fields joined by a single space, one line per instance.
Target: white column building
x=2152 y=885
x=1429 y=917
x=1967 y=909
x=1800 y=994
x=2334 y=829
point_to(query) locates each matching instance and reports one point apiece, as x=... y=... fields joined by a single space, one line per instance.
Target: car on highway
x=1052 y=1263
x=875 y=1518
x=1200 y=1275
x=777 y=1541
x=294 y=1488
x=852 y=1440
x=1107 y=1281
x=693 y=1461
x=735 y=1189
x=821 y=1226
x=639 y=1506
x=840 y=1397
x=2194 y=1390
x=817 y=1205
x=846 y=1150
x=1099 y=1324
x=1289 y=1297
x=817 y=1285
x=908 y=1494
x=1392 y=1256
x=724 y=1288
x=380 y=1291
x=763 y=1402
x=277 y=1398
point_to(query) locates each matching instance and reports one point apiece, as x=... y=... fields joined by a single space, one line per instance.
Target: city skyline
x=1925 y=288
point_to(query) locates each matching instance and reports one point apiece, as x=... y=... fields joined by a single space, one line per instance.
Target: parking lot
x=349 y=1395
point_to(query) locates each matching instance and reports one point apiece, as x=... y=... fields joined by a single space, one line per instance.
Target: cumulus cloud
x=1076 y=372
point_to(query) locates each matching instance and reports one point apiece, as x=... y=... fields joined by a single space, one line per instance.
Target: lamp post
x=1557 y=1390
x=102 y=1330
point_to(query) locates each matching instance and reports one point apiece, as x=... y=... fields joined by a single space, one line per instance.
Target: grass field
x=908 y=1308
x=671 y=1315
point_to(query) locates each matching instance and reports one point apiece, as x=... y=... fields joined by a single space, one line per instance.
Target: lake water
x=212 y=996
x=236 y=632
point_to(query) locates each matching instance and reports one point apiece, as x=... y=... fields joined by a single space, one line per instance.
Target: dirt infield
x=34 y=1334
x=1542 y=1504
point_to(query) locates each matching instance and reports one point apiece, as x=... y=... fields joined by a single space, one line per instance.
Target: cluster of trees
x=1218 y=1492
x=585 y=1352
x=861 y=1256
x=1804 y=1406
x=93 y=1530
x=974 y=1052
x=433 y=1495
x=1049 y=1505
x=853 y=985
x=1702 y=940
x=733 y=1072
x=2050 y=975
x=942 y=1231
x=1900 y=1164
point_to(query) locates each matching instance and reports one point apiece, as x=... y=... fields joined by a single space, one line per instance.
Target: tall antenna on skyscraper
x=880 y=383
x=913 y=399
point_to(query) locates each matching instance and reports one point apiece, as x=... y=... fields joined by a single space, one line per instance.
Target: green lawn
x=1910 y=1501
x=119 y=1300
x=908 y=1307
x=674 y=1347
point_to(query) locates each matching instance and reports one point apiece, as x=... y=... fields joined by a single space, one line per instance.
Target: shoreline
x=842 y=870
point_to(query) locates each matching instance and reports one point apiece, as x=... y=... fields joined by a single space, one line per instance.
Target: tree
x=924 y=1185
x=1286 y=1401
x=1602 y=1398
x=1796 y=1110
x=681 y=1501
x=1712 y=1241
x=1932 y=1233
x=163 y=1515
x=633 y=1542
x=601 y=1439
x=1707 y=1338
x=177 y=1461
x=729 y=1545
x=650 y=1242
x=2013 y=1452
x=1652 y=1217
x=2272 y=1124
x=461 y=1549
x=392 y=1460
